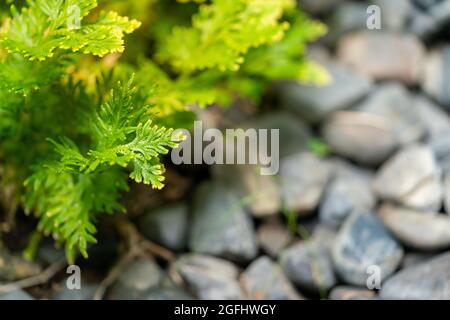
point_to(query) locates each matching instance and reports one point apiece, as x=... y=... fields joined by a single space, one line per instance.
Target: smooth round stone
x=18 y=294
x=350 y=189
x=168 y=290
x=383 y=55
x=168 y=294
x=447 y=191
x=167 y=225
x=437 y=125
x=412 y=178
x=351 y=293
x=136 y=280
x=441 y=11
x=13 y=267
x=428 y=280
x=396 y=105
x=294 y=133
x=273 y=236
x=309 y=265
x=315 y=103
x=347 y=17
x=436 y=80
x=262 y=192
x=325 y=235
x=426 y=5
x=303 y=177
x=264 y=280
x=364 y=242
x=433 y=117
x=413 y=258
x=220 y=226
x=422 y=24
x=362 y=137
x=49 y=254
x=318 y=6
x=394 y=14
x=86 y=292
x=419 y=230
x=209 y=278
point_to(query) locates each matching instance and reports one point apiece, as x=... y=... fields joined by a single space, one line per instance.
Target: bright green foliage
x=178 y=94
x=223 y=32
x=18 y=74
x=46 y=25
x=122 y=134
x=235 y=46
x=68 y=204
x=77 y=123
x=281 y=59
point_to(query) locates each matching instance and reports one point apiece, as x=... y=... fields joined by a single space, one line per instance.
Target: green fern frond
x=37 y=31
x=20 y=75
x=121 y=138
x=67 y=204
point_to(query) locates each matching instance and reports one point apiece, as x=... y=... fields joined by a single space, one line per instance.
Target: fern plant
x=77 y=122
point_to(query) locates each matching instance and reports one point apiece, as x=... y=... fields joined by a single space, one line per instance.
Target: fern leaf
x=37 y=31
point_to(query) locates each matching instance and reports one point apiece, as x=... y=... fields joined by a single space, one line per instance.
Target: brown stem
x=136 y=246
x=129 y=231
x=41 y=278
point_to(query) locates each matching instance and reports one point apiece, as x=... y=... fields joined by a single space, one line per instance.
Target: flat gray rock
x=413 y=258
x=436 y=80
x=347 y=17
x=172 y=293
x=303 y=177
x=428 y=280
x=86 y=292
x=394 y=14
x=324 y=234
x=294 y=133
x=273 y=236
x=262 y=192
x=437 y=125
x=351 y=293
x=395 y=104
x=429 y=17
x=364 y=242
x=136 y=280
x=210 y=278
x=314 y=103
x=18 y=294
x=264 y=280
x=350 y=189
x=447 y=191
x=167 y=225
x=220 y=226
x=309 y=265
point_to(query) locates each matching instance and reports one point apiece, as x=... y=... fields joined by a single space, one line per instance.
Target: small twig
x=135 y=239
x=136 y=246
x=113 y=274
x=41 y=278
x=157 y=250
